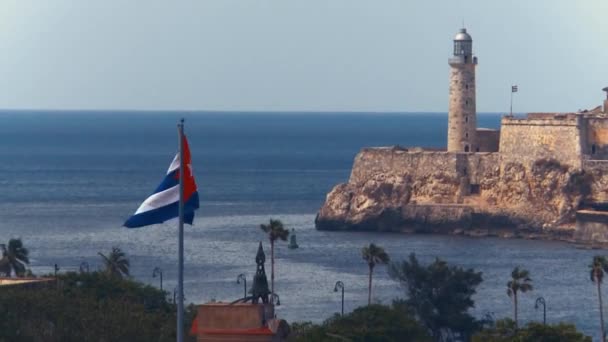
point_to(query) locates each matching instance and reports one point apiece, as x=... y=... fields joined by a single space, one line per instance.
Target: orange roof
x=253 y=331
x=194 y=330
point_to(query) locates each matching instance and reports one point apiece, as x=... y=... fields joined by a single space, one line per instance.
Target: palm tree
x=14 y=258
x=275 y=231
x=598 y=268
x=520 y=282
x=116 y=263
x=373 y=255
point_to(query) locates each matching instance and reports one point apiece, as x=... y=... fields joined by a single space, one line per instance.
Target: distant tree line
x=436 y=304
x=109 y=306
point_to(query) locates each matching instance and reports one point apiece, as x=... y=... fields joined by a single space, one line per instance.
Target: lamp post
x=56 y=270
x=244 y=279
x=273 y=296
x=541 y=301
x=340 y=285
x=158 y=272
x=84 y=267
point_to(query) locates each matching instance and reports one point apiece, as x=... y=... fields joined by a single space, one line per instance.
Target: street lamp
x=541 y=301
x=158 y=272
x=84 y=267
x=56 y=270
x=238 y=281
x=273 y=296
x=340 y=285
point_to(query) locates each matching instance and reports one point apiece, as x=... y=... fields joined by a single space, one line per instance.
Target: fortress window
x=466 y=135
x=593 y=149
x=474 y=189
x=466 y=102
x=466 y=86
x=466 y=119
x=466 y=148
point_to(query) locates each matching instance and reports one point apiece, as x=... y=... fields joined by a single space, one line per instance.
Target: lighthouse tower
x=462 y=117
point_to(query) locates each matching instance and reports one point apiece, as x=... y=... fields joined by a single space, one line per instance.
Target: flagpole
x=511 y=110
x=180 y=281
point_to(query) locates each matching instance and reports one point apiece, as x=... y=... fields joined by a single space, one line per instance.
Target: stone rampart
x=392 y=189
x=591 y=226
x=531 y=139
x=391 y=160
x=596 y=170
x=488 y=139
x=597 y=138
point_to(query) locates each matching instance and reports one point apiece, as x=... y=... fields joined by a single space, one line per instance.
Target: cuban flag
x=163 y=204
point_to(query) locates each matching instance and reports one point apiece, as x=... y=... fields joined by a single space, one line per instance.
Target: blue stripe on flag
x=162 y=214
x=171 y=180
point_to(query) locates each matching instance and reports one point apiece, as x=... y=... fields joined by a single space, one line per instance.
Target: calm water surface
x=69 y=181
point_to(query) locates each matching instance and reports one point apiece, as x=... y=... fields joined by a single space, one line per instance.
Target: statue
x=259 y=289
x=292 y=240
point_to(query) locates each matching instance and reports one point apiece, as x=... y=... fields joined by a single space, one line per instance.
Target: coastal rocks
x=455 y=193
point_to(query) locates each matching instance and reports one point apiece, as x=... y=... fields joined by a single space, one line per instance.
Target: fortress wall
x=599 y=185
x=387 y=160
x=482 y=166
x=488 y=139
x=591 y=226
x=527 y=140
x=597 y=138
x=419 y=165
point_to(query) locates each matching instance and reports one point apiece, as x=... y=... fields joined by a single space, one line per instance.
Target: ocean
x=70 y=179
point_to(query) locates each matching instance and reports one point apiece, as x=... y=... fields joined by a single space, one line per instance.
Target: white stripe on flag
x=159 y=199
x=174 y=164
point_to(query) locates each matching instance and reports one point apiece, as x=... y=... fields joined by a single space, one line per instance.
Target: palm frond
x=373 y=255
x=275 y=230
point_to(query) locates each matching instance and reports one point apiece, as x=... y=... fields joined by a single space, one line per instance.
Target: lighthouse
x=462 y=115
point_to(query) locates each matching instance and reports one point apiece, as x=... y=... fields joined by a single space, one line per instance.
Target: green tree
x=369 y=323
x=439 y=295
x=373 y=255
x=88 y=307
x=14 y=258
x=276 y=231
x=520 y=282
x=598 y=268
x=116 y=263
x=506 y=331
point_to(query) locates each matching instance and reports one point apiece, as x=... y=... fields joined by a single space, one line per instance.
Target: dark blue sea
x=70 y=179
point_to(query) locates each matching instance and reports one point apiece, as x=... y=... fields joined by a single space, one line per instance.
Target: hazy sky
x=314 y=55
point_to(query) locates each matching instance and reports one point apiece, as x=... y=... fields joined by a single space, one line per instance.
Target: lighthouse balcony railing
x=462 y=60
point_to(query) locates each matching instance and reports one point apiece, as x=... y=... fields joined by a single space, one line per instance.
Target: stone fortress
x=540 y=176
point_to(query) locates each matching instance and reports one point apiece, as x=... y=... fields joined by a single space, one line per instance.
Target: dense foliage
x=506 y=331
x=88 y=307
x=15 y=257
x=373 y=323
x=439 y=295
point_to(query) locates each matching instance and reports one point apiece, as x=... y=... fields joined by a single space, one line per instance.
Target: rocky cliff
x=393 y=189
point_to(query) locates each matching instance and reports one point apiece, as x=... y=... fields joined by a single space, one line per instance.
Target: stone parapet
x=528 y=140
